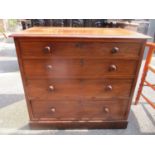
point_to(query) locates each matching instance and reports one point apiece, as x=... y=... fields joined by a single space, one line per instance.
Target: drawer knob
x=49 y=67
x=79 y=45
x=106 y=110
x=112 y=68
x=115 y=50
x=109 y=87
x=52 y=109
x=51 y=88
x=47 y=49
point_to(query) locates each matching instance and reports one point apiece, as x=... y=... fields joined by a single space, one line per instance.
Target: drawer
x=79 y=110
x=79 y=68
x=78 y=89
x=80 y=49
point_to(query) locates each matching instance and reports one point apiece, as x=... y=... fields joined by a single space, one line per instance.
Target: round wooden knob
x=106 y=110
x=52 y=109
x=49 y=67
x=109 y=87
x=51 y=88
x=47 y=49
x=115 y=50
x=112 y=68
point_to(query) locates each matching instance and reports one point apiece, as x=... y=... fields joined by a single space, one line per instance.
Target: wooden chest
x=79 y=77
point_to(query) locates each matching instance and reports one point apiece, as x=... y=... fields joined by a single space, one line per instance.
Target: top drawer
x=43 y=49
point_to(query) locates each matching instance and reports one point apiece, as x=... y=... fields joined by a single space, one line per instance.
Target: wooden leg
x=145 y=70
x=140 y=87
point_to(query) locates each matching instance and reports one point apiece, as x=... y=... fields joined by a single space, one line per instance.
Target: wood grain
x=78 y=68
x=78 y=33
x=78 y=124
x=66 y=89
x=79 y=110
x=79 y=78
x=79 y=50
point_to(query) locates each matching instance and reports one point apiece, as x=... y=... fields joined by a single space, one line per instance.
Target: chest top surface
x=65 y=32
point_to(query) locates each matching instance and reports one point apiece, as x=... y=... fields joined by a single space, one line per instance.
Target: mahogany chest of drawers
x=79 y=77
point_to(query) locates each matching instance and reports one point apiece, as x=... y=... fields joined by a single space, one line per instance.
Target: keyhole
x=81 y=62
x=79 y=45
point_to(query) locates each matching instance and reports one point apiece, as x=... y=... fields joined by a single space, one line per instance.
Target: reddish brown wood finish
x=72 y=49
x=50 y=32
x=79 y=68
x=79 y=110
x=68 y=89
x=78 y=124
x=79 y=78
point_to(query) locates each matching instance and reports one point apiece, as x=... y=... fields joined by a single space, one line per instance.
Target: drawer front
x=79 y=49
x=78 y=68
x=76 y=110
x=78 y=89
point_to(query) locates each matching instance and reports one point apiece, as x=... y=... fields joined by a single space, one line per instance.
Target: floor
x=13 y=112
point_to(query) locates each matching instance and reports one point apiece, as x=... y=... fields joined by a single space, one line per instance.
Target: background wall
x=151 y=30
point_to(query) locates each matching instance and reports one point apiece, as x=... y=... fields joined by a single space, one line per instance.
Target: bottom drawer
x=79 y=110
